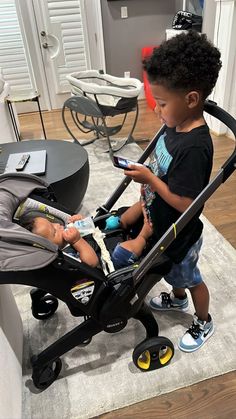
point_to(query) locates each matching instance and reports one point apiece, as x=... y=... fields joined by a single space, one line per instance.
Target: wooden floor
x=210 y=399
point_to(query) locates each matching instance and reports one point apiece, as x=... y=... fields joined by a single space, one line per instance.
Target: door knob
x=45 y=45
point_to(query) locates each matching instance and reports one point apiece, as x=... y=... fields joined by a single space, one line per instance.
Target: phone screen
x=122 y=162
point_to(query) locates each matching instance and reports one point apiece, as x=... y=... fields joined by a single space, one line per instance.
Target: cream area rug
x=101 y=377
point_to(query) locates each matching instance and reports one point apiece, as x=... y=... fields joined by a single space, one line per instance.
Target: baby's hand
x=71 y=235
x=75 y=217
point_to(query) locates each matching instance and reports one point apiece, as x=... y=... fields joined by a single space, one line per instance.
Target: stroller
x=97 y=96
x=106 y=301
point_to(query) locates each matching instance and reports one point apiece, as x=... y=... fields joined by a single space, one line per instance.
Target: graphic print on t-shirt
x=161 y=158
x=159 y=163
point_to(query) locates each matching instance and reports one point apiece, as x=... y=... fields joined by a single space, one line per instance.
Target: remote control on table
x=23 y=161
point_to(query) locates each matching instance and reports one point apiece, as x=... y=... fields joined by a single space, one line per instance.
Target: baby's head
x=51 y=231
x=41 y=226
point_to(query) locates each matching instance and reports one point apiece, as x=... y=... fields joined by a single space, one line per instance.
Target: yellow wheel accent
x=165 y=355
x=153 y=353
x=144 y=360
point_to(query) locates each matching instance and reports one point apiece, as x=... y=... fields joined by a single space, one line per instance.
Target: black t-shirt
x=183 y=160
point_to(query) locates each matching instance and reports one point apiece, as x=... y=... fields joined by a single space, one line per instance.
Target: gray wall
x=209 y=15
x=124 y=38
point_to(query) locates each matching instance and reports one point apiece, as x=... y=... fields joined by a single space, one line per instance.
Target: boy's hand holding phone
x=140 y=174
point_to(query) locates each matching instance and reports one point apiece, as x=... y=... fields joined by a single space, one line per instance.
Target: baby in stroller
x=125 y=253
x=56 y=232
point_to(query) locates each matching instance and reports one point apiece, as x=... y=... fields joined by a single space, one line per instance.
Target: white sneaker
x=167 y=301
x=196 y=335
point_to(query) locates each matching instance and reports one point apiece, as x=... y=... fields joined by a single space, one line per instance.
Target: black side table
x=67 y=168
x=31 y=97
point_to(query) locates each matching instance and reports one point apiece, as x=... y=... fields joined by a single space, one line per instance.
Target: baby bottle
x=85 y=226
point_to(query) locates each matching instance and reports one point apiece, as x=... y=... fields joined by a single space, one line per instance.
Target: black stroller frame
x=118 y=296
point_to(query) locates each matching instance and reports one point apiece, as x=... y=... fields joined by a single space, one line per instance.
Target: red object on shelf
x=146 y=52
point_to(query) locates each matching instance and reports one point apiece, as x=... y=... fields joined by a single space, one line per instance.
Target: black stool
x=31 y=97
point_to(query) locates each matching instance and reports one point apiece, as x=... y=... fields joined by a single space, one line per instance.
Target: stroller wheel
x=43 y=378
x=153 y=353
x=43 y=305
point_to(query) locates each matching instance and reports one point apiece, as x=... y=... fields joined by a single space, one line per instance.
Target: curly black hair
x=188 y=61
x=27 y=219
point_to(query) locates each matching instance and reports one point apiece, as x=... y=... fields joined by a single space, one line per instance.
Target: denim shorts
x=122 y=257
x=186 y=273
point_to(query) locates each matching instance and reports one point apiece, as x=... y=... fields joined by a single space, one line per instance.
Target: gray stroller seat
x=19 y=248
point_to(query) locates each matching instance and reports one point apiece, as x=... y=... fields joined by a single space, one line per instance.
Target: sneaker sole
x=198 y=347
x=168 y=309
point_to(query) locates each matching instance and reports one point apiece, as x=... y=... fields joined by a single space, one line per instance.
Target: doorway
x=62 y=37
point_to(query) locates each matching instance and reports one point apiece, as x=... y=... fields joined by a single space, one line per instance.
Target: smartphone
x=123 y=163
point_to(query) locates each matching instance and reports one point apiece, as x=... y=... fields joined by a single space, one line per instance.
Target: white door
x=62 y=36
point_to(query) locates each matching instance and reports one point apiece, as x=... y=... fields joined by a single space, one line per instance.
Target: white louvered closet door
x=41 y=41
x=64 y=44
x=14 y=55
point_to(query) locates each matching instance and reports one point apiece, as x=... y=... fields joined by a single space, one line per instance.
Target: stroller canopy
x=19 y=248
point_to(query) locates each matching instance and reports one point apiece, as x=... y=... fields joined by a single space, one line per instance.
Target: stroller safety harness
x=97 y=96
x=105 y=301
